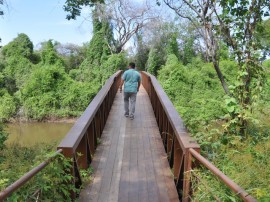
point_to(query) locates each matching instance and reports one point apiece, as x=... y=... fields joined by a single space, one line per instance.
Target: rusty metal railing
x=24 y=179
x=226 y=180
x=180 y=147
x=81 y=141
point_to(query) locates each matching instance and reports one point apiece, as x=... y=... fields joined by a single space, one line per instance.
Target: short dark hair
x=132 y=64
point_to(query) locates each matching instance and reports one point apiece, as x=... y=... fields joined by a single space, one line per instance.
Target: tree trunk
x=221 y=78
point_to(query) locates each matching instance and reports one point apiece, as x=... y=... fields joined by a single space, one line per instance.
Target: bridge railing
x=27 y=177
x=182 y=150
x=81 y=141
x=175 y=137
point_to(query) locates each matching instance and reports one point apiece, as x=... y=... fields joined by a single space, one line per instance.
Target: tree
x=17 y=57
x=74 y=7
x=72 y=54
x=235 y=22
x=49 y=55
x=238 y=24
x=163 y=42
x=141 y=52
x=20 y=46
x=155 y=60
x=99 y=46
x=127 y=18
x=201 y=16
x=124 y=16
x=263 y=35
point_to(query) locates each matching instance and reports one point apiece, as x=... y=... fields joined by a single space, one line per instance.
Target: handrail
x=231 y=184
x=82 y=138
x=179 y=145
x=175 y=136
x=81 y=141
x=74 y=136
x=24 y=179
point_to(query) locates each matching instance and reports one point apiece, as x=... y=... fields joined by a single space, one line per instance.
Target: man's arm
x=121 y=84
x=139 y=83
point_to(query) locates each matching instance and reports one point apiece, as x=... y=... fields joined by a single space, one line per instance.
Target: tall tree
x=72 y=54
x=238 y=25
x=18 y=62
x=201 y=16
x=163 y=42
x=126 y=17
x=99 y=46
x=21 y=45
x=236 y=22
x=142 y=52
x=49 y=56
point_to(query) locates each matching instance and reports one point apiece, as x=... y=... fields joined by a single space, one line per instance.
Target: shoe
x=126 y=115
x=131 y=117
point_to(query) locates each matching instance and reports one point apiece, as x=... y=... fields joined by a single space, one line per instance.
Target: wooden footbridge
x=140 y=160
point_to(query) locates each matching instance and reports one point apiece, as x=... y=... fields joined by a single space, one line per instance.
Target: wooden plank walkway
x=130 y=164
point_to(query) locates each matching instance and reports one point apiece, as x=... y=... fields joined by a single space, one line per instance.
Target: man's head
x=132 y=65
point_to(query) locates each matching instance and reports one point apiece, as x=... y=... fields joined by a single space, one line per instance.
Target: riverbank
x=45 y=120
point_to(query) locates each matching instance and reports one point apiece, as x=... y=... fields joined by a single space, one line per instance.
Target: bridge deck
x=130 y=164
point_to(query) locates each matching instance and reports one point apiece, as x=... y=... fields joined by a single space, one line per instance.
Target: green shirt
x=131 y=78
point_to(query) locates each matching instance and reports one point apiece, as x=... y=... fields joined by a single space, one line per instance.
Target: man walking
x=132 y=80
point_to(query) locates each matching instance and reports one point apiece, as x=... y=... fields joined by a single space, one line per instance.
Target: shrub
x=51 y=184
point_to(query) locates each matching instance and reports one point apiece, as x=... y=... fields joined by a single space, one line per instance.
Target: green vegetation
x=199 y=98
x=214 y=68
x=55 y=81
x=41 y=84
x=48 y=185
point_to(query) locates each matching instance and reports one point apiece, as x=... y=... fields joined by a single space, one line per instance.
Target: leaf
x=230 y=109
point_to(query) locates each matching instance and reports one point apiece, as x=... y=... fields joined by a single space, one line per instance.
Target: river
x=29 y=134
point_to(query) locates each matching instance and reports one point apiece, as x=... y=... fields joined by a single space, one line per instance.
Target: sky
x=42 y=20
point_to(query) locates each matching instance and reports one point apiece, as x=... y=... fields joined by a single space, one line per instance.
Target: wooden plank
x=131 y=163
x=108 y=170
x=152 y=187
x=114 y=189
x=142 y=163
x=91 y=192
x=124 y=178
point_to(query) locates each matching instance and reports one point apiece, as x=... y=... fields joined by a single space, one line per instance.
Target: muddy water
x=29 y=134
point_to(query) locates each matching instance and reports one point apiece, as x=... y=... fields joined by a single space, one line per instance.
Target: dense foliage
x=49 y=185
x=199 y=98
x=41 y=84
x=214 y=69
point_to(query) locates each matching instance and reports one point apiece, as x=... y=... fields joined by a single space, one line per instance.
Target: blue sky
x=42 y=20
